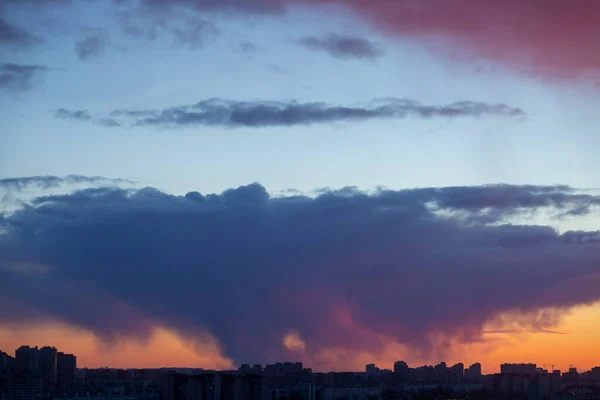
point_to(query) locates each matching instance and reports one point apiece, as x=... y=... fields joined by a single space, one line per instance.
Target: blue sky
x=552 y=143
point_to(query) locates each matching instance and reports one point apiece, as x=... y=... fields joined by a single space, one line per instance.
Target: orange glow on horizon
x=164 y=348
x=577 y=342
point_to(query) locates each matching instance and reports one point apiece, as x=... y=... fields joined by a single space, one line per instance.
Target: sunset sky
x=204 y=183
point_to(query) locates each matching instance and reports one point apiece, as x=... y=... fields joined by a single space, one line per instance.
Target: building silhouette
x=66 y=368
x=400 y=367
x=529 y=369
x=474 y=371
x=47 y=364
x=38 y=368
x=27 y=360
x=7 y=363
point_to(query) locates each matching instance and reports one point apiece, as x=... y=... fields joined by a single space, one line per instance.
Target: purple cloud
x=339 y=269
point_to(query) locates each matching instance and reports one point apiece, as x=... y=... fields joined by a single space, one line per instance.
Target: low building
x=24 y=387
x=350 y=393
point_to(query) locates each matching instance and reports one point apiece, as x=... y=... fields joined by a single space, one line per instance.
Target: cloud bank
x=346 y=271
x=257 y=114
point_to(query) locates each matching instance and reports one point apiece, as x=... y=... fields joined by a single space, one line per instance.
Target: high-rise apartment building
x=47 y=364
x=457 y=372
x=527 y=369
x=7 y=363
x=371 y=369
x=27 y=360
x=401 y=367
x=473 y=373
x=66 y=366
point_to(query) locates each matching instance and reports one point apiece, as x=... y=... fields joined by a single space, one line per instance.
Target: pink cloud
x=555 y=38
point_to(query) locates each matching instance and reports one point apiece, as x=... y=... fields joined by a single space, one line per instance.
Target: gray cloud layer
x=341 y=46
x=250 y=267
x=256 y=114
x=19 y=78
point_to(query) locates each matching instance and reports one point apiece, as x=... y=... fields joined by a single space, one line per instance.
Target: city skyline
x=33 y=359
x=47 y=373
x=503 y=367
x=341 y=182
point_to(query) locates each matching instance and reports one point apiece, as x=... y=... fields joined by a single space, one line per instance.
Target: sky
x=213 y=182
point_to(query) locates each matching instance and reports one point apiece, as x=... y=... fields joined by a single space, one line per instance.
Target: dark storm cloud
x=341 y=46
x=19 y=78
x=250 y=267
x=14 y=37
x=92 y=44
x=255 y=114
x=580 y=237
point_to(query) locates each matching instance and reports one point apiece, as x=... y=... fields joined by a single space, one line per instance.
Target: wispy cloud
x=194 y=32
x=16 y=78
x=93 y=43
x=245 y=6
x=86 y=116
x=48 y=181
x=191 y=31
x=79 y=115
x=342 y=46
x=14 y=37
x=256 y=114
